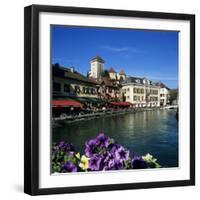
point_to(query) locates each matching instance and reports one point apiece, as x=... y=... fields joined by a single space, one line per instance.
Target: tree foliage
x=105 y=73
x=173 y=95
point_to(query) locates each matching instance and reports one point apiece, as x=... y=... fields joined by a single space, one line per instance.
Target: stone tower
x=96 y=67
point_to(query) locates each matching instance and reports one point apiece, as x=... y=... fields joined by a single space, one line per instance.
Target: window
x=138 y=98
x=89 y=90
x=93 y=91
x=127 y=97
x=142 y=98
x=142 y=91
x=67 y=88
x=84 y=91
x=155 y=91
x=135 y=90
x=128 y=89
x=135 y=98
x=56 y=87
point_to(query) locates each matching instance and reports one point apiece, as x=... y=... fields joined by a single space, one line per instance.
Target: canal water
x=154 y=132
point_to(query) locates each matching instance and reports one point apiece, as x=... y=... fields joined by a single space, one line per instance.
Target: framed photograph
x=109 y=100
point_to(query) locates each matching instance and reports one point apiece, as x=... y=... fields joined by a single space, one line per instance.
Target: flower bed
x=101 y=153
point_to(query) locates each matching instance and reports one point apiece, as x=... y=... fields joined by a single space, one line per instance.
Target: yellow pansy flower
x=84 y=164
x=78 y=155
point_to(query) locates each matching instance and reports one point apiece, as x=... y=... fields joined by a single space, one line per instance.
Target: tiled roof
x=107 y=82
x=134 y=80
x=98 y=58
x=122 y=72
x=69 y=74
x=137 y=80
x=162 y=85
x=111 y=70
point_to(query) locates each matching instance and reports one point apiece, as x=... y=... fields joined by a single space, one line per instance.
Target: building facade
x=164 y=96
x=115 y=76
x=69 y=83
x=109 y=80
x=141 y=92
x=96 y=67
x=109 y=90
x=110 y=86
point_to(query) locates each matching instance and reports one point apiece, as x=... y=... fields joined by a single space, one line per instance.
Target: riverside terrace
x=71 y=108
x=68 y=111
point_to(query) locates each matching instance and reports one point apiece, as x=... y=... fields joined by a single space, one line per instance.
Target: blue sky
x=142 y=53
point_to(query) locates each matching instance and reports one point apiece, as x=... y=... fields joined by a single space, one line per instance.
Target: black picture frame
x=31 y=98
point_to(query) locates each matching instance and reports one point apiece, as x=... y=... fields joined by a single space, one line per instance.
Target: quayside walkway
x=94 y=115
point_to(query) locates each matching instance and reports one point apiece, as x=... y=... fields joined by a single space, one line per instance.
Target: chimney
x=72 y=69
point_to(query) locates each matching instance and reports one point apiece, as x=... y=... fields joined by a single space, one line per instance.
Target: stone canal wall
x=57 y=121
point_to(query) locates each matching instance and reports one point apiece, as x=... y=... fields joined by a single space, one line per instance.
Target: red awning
x=66 y=103
x=121 y=103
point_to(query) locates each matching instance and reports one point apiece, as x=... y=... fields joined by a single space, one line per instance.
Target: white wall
x=11 y=101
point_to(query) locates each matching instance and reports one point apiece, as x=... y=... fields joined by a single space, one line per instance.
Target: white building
x=164 y=95
x=121 y=76
x=141 y=92
x=96 y=67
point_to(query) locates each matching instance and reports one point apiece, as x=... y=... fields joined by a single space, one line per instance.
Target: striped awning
x=66 y=103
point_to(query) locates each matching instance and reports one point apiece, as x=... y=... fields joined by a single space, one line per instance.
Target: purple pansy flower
x=114 y=147
x=102 y=140
x=138 y=163
x=66 y=146
x=61 y=144
x=108 y=159
x=94 y=163
x=122 y=154
x=70 y=153
x=115 y=165
x=101 y=153
x=108 y=156
x=69 y=167
x=91 y=147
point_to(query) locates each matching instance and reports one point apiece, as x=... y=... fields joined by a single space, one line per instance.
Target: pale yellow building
x=141 y=92
x=113 y=75
x=164 y=95
x=96 y=67
x=69 y=83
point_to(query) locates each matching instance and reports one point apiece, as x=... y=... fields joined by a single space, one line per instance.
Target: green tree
x=173 y=95
x=105 y=73
x=56 y=65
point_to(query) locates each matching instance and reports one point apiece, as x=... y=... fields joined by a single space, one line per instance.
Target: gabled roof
x=134 y=80
x=111 y=70
x=162 y=85
x=69 y=74
x=108 y=82
x=98 y=58
x=122 y=72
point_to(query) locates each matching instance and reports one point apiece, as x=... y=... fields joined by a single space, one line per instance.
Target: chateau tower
x=96 y=67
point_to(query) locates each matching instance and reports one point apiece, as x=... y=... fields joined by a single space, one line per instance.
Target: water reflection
x=154 y=132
